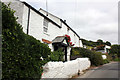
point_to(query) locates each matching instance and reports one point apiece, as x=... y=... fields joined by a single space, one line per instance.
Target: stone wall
x=65 y=69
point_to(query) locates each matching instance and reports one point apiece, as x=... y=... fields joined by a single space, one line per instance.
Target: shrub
x=20 y=52
x=115 y=49
x=106 y=61
x=95 y=57
x=57 y=55
x=117 y=59
x=113 y=57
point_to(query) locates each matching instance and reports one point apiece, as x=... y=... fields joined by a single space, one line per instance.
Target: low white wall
x=66 y=69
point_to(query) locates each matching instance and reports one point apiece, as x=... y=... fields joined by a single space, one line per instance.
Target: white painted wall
x=77 y=43
x=17 y=7
x=25 y=19
x=81 y=45
x=53 y=31
x=64 y=29
x=74 y=38
x=65 y=70
x=52 y=17
x=106 y=47
x=36 y=25
x=71 y=34
x=68 y=53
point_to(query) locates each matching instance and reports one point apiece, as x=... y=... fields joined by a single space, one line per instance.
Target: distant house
x=45 y=27
x=103 y=48
x=100 y=48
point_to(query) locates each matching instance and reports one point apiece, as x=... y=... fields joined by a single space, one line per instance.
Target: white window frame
x=45 y=25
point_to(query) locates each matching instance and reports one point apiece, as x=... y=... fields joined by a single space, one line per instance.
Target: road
x=106 y=71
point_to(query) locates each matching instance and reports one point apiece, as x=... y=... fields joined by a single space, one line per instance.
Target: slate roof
x=58 y=39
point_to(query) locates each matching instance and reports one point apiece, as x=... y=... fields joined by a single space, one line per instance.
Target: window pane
x=45 y=23
x=45 y=29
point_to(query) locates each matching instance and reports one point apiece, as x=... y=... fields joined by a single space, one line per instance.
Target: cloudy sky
x=91 y=19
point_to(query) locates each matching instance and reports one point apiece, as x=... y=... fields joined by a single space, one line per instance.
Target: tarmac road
x=109 y=70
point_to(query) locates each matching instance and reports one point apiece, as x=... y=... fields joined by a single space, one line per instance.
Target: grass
x=117 y=59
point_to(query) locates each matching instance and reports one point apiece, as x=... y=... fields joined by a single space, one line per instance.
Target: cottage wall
x=17 y=7
x=52 y=17
x=36 y=24
x=77 y=41
x=64 y=29
x=25 y=18
x=74 y=38
x=71 y=33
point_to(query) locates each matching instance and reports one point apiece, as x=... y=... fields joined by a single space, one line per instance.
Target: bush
x=20 y=52
x=115 y=49
x=106 y=61
x=117 y=59
x=113 y=57
x=57 y=55
x=95 y=57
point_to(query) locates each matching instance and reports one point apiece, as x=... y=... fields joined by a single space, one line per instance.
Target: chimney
x=65 y=21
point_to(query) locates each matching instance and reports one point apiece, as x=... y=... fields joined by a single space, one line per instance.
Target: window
x=45 y=25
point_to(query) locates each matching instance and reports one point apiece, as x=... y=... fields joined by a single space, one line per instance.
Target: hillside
x=99 y=43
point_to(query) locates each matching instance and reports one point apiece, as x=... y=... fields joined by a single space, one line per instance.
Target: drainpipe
x=28 y=20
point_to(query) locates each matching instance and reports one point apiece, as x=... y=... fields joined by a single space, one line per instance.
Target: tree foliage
x=99 y=42
x=89 y=43
x=57 y=55
x=115 y=49
x=108 y=43
x=20 y=52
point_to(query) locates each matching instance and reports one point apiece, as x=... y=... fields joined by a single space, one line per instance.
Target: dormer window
x=45 y=25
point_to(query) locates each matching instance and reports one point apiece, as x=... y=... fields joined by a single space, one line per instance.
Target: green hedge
x=20 y=52
x=95 y=57
x=106 y=61
x=57 y=55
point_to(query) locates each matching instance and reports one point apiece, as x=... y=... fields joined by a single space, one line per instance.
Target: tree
x=115 y=49
x=108 y=43
x=21 y=53
x=100 y=42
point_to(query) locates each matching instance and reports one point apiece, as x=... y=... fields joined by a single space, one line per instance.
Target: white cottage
x=45 y=27
x=105 y=50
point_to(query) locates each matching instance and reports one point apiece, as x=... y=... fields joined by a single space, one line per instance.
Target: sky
x=91 y=19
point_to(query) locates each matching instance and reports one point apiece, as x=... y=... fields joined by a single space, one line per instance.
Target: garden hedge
x=95 y=57
x=20 y=52
x=57 y=55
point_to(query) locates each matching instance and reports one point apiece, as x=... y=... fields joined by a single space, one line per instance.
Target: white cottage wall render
x=75 y=39
x=43 y=25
